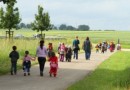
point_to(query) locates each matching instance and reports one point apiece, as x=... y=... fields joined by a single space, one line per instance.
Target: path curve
x=68 y=74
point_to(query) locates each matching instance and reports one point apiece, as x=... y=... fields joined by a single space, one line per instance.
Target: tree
x=10 y=18
x=42 y=21
x=53 y=27
x=28 y=26
x=62 y=27
x=70 y=28
x=83 y=27
x=22 y=25
x=1 y=17
x=5 y=1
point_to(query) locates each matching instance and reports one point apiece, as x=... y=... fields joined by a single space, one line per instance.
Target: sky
x=98 y=14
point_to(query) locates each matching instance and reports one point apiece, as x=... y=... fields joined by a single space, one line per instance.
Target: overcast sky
x=98 y=14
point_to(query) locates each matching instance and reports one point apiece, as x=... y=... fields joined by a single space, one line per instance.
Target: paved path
x=125 y=49
x=68 y=74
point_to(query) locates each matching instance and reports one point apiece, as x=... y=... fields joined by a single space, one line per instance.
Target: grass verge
x=112 y=74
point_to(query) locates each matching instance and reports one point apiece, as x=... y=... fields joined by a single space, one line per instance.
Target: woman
x=41 y=53
x=87 y=48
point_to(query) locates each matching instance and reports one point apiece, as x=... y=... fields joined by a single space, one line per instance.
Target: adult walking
x=41 y=53
x=87 y=48
x=76 y=48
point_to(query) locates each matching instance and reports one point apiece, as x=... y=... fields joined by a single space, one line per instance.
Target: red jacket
x=53 y=61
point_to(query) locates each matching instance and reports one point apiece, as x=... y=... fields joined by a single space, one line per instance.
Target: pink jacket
x=62 y=48
x=28 y=58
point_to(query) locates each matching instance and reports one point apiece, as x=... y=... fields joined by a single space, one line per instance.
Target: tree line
x=69 y=27
x=53 y=27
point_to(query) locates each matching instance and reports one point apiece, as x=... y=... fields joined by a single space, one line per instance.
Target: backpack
x=53 y=64
x=87 y=45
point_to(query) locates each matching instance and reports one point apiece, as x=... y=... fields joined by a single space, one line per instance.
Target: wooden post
x=11 y=34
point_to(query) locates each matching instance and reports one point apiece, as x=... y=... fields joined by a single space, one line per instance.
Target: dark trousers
x=41 y=61
x=87 y=54
x=26 y=66
x=14 y=67
x=68 y=57
x=76 y=54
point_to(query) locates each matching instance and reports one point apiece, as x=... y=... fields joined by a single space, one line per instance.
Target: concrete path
x=125 y=49
x=68 y=74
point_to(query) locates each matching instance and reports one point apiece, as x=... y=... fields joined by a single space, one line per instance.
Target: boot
x=24 y=74
x=28 y=74
x=50 y=75
x=11 y=73
x=54 y=75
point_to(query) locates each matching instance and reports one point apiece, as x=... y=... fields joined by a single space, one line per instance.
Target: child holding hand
x=27 y=63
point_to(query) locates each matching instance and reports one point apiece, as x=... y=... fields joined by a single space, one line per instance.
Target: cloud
x=98 y=14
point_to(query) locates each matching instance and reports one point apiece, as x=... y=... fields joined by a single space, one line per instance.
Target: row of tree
x=69 y=27
x=61 y=27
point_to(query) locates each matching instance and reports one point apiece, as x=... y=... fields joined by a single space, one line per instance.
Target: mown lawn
x=112 y=74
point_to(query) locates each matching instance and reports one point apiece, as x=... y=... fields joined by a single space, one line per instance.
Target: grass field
x=113 y=74
x=95 y=36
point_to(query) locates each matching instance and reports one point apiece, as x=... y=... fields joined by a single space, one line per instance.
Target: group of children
x=104 y=46
x=14 y=55
x=64 y=52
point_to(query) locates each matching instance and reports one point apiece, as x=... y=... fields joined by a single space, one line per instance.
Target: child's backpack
x=53 y=64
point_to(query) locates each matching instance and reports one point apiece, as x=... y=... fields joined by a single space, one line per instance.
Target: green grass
x=112 y=74
x=95 y=36
x=22 y=46
x=6 y=48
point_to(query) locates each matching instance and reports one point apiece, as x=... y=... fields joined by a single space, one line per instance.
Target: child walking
x=27 y=63
x=62 y=52
x=14 y=55
x=97 y=48
x=49 y=49
x=69 y=54
x=53 y=64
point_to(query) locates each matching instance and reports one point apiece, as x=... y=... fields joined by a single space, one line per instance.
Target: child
x=14 y=55
x=49 y=49
x=62 y=52
x=66 y=49
x=53 y=64
x=112 y=47
x=103 y=47
x=118 y=46
x=97 y=48
x=59 y=50
x=27 y=63
x=69 y=54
